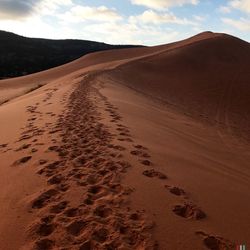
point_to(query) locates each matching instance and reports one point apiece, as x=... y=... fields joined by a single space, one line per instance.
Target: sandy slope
x=111 y=152
x=11 y=88
x=208 y=79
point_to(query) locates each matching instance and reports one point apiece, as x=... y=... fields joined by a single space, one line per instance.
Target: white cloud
x=224 y=9
x=50 y=7
x=82 y=13
x=120 y=33
x=199 y=18
x=241 y=24
x=30 y=27
x=243 y=5
x=108 y=32
x=152 y=17
x=100 y=24
x=163 y=4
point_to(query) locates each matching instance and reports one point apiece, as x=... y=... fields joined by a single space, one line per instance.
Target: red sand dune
x=208 y=79
x=144 y=148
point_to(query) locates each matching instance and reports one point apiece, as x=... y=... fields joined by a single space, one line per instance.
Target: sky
x=147 y=22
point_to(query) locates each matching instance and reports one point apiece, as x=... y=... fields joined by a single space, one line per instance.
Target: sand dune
x=208 y=79
x=129 y=149
x=14 y=87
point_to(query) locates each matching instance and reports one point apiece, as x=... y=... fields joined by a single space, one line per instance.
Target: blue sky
x=149 y=22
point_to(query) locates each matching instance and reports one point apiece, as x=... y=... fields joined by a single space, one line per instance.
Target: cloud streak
x=163 y=4
x=242 y=24
x=243 y=5
x=86 y=13
x=152 y=17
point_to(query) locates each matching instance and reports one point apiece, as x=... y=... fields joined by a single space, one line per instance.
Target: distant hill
x=21 y=55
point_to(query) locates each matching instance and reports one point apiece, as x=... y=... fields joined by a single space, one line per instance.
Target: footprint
x=63 y=187
x=116 y=155
x=117 y=147
x=32 y=119
x=42 y=162
x=33 y=150
x=72 y=212
x=125 y=134
x=3 y=145
x=45 y=229
x=152 y=173
x=76 y=227
x=44 y=244
x=89 y=200
x=123 y=130
x=47 y=219
x=53 y=148
x=125 y=139
x=25 y=137
x=58 y=208
x=140 y=147
x=175 y=190
x=94 y=189
x=44 y=198
x=57 y=179
x=22 y=160
x=102 y=211
x=189 y=211
x=50 y=168
x=100 y=235
x=53 y=165
x=87 y=245
x=24 y=146
x=140 y=153
x=134 y=216
x=216 y=242
x=124 y=164
x=55 y=131
x=146 y=162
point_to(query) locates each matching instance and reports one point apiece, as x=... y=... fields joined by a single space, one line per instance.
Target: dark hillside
x=20 y=55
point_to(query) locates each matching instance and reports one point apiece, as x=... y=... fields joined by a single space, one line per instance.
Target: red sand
x=129 y=149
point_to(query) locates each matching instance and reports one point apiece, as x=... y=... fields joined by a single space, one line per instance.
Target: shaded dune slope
x=206 y=76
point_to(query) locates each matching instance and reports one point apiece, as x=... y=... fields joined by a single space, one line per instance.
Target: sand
x=143 y=148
